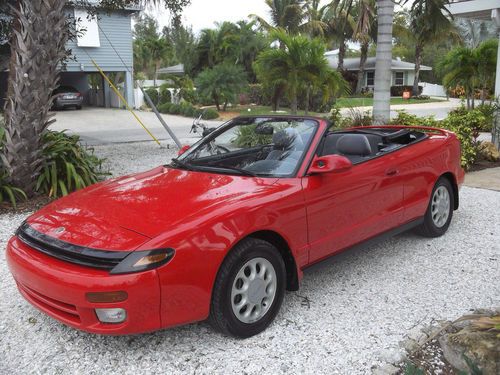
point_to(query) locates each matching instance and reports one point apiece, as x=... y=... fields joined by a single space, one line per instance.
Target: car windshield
x=267 y=147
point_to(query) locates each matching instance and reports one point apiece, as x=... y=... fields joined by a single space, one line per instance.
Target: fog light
x=115 y=315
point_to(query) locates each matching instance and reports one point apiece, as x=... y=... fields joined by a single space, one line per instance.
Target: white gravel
x=348 y=316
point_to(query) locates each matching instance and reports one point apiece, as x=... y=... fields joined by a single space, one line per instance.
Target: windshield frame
x=249 y=120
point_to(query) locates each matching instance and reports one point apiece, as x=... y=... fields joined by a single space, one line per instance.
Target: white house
x=403 y=73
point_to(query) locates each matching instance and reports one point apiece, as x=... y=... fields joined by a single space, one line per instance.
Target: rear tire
x=439 y=212
x=249 y=289
x=78 y=107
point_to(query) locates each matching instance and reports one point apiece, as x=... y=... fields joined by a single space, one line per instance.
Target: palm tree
x=285 y=14
x=159 y=51
x=339 y=26
x=40 y=25
x=430 y=22
x=459 y=68
x=41 y=29
x=362 y=34
x=382 y=93
x=486 y=57
x=299 y=63
x=314 y=23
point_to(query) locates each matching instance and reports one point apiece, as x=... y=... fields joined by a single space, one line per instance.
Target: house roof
x=477 y=9
x=352 y=64
x=174 y=69
x=77 y=3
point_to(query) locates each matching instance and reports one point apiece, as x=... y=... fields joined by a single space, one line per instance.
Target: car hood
x=124 y=213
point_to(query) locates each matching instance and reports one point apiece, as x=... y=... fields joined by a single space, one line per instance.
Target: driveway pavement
x=109 y=125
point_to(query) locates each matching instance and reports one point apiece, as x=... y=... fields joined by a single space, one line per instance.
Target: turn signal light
x=106 y=297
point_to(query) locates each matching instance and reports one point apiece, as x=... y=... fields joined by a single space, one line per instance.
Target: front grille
x=83 y=256
x=63 y=310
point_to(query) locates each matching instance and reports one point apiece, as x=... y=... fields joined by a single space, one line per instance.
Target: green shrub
x=153 y=95
x=189 y=95
x=165 y=107
x=407 y=119
x=398 y=90
x=68 y=166
x=488 y=111
x=465 y=127
x=7 y=191
x=165 y=95
x=210 y=114
x=422 y=97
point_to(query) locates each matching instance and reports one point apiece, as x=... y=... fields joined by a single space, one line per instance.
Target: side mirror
x=183 y=149
x=329 y=163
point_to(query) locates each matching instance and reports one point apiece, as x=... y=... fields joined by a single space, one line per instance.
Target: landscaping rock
x=481 y=347
x=488 y=151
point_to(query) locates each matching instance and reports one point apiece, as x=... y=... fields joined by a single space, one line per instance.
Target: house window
x=87 y=30
x=399 y=79
x=370 y=78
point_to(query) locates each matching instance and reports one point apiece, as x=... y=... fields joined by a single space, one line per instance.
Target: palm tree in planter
x=299 y=63
x=41 y=29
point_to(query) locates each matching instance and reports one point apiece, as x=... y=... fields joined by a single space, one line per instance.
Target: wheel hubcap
x=440 y=207
x=253 y=291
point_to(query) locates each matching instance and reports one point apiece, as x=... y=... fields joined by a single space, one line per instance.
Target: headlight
x=139 y=261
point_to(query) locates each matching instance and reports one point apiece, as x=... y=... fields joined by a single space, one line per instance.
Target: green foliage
x=411 y=369
x=488 y=111
x=301 y=64
x=247 y=137
x=68 y=166
x=188 y=110
x=473 y=367
x=153 y=95
x=210 y=114
x=404 y=118
x=465 y=126
x=165 y=95
x=221 y=84
x=355 y=118
x=7 y=191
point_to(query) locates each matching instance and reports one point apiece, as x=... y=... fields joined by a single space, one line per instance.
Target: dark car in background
x=67 y=96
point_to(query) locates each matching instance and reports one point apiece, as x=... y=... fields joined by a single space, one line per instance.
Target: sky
x=203 y=14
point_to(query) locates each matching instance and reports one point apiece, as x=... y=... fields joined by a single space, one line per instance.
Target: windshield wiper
x=182 y=164
x=243 y=172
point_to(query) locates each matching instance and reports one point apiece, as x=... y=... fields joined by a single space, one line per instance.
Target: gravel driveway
x=348 y=316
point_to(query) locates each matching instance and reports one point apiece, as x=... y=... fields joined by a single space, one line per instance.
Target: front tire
x=439 y=212
x=249 y=289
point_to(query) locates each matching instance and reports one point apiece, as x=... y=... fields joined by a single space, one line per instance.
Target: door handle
x=391 y=172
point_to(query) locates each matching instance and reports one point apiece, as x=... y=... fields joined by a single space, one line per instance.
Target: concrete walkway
x=485 y=179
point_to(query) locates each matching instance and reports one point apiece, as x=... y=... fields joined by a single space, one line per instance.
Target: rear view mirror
x=263 y=129
x=329 y=163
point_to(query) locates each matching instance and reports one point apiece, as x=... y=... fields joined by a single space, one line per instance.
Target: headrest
x=354 y=144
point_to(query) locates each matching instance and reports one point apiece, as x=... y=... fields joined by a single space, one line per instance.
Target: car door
x=345 y=208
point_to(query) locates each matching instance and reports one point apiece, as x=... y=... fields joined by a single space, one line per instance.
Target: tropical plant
x=430 y=21
x=7 y=191
x=41 y=29
x=301 y=64
x=67 y=165
x=382 y=95
x=221 y=83
x=340 y=26
x=365 y=22
x=471 y=69
x=160 y=51
x=285 y=14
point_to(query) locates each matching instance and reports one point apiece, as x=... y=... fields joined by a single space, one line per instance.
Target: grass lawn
x=342 y=103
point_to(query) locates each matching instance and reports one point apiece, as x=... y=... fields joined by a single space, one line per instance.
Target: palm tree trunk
x=38 y=46
x=342 y=50
x=308 y=96
x=293 y=101
x=382 y=94
x=418 y=60
x=216 y=101
x=361 y=71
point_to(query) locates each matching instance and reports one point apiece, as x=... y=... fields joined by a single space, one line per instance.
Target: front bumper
x=58 y=289
x=61 y=103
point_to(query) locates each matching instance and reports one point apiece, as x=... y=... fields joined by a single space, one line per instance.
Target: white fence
x=432 y=89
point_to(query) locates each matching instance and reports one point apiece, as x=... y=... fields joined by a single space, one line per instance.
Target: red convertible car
x=223 y=230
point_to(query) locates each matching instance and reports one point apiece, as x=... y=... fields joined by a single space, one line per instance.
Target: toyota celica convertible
x=223 y=230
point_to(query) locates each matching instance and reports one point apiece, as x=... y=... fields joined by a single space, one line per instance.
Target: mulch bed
x=483 y=164
x=30 y=205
